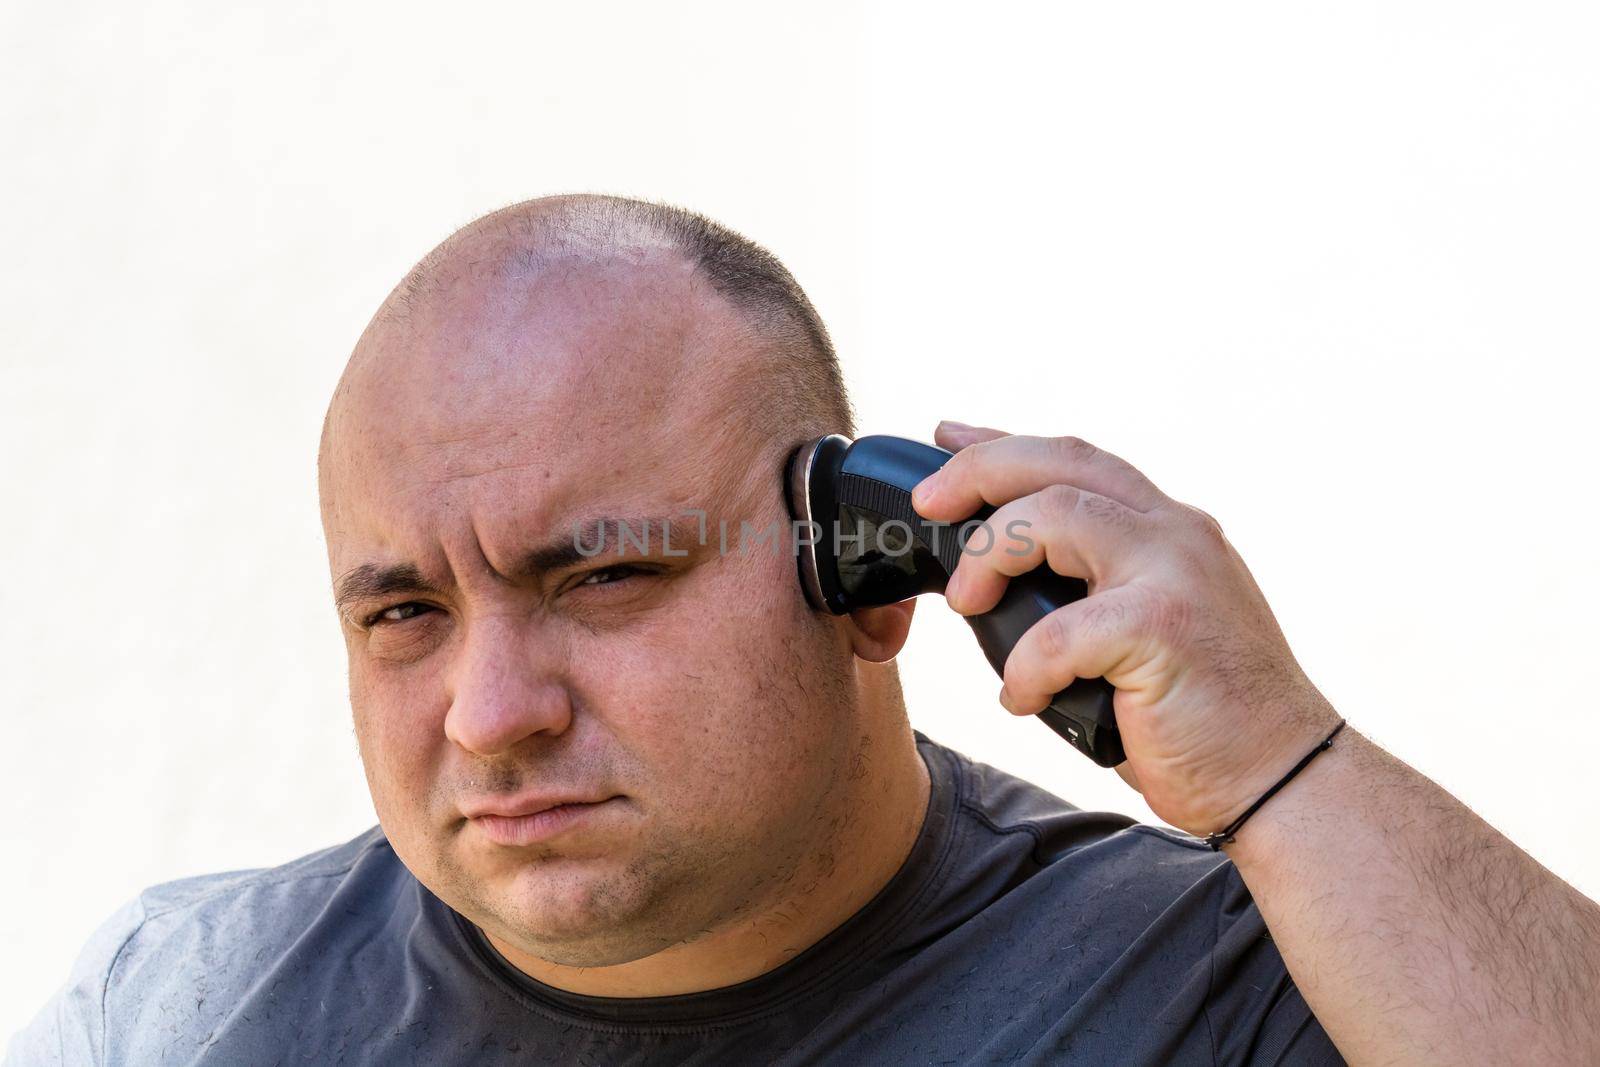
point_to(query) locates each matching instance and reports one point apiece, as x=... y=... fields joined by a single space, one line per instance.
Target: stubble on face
x=730 y=714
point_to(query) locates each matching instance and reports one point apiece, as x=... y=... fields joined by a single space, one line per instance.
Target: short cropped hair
x=799 y=393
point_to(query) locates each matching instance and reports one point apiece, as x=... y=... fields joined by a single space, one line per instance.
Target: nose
x=505 y=686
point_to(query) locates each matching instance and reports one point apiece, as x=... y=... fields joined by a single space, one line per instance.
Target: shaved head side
x=792 y=387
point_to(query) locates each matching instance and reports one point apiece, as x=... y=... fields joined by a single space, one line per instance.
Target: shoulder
x=218 y=928
x=190 y=939
x=1024 y=850
x=1000 y=804
x=305 y=877
x=1159 y=926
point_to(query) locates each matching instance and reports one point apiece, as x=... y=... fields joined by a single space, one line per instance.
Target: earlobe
x=878 y=634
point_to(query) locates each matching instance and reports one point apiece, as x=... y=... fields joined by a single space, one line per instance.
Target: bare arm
x=1416 y=932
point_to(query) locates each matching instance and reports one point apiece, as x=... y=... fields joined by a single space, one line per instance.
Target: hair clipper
x=862 y=544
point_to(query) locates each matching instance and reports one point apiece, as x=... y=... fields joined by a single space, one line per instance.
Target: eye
x=611 y=575
x=399 y=613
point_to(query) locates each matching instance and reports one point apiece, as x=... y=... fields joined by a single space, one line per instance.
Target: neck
x=890 y=805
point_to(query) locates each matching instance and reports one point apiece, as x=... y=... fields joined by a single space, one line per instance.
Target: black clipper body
x=864 y=545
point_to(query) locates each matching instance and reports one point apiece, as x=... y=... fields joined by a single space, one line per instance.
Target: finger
x=1072 y=531
x=1089 y=638
x=958 y=435
x=1001 y=469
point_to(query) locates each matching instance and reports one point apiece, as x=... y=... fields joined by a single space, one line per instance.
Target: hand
x=1212 y=705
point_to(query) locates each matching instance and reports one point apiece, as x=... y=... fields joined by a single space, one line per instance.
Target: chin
x=603 y=951
x=575 y=913
x=574 y=910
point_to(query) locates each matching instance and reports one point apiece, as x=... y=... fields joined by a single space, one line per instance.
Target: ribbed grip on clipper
x=894 y=503
x=1082 y=713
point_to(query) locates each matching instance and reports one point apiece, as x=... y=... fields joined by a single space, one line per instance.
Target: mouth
x=534 y=827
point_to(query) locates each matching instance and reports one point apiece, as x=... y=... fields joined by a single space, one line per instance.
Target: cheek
x=399 y=731
x=736 y=697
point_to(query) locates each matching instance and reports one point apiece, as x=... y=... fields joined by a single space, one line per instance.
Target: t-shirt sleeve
x=1256 y=1012
x=70 y=1028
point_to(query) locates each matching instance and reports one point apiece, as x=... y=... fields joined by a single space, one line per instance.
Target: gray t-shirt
x=1019 y=929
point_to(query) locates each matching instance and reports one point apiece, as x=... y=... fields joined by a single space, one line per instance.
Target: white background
x=1330 y=275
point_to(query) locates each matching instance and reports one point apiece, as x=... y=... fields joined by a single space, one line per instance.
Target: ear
x=878 y=634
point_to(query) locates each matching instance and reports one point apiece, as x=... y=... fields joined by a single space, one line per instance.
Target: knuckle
x=1054 y=635
x=1211 y=524
x=970 y=465
x=979 y=451
x=1102 y=616
x=1059 y=501
x=1203 y=523
x=1167 y=617
x=1013 y=534
x=1073 y=448
x=1109 y=512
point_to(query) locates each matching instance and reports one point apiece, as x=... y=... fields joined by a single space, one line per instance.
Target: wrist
x=1225 y=836
x=1256 y=758
x=1326 y=786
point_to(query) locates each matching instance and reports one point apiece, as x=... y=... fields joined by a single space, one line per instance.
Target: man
x=645 y=806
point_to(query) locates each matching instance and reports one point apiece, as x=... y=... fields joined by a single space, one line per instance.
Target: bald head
x=781 y=379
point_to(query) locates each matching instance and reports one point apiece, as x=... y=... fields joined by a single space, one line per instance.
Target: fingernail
x=924 y=491
x=952 y=424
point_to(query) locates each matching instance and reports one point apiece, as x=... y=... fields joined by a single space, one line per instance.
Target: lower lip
x=540 y=826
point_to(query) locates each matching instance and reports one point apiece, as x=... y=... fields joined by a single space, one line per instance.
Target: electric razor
x=861 y=544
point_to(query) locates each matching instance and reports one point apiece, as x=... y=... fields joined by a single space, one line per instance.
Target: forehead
x=591 y=386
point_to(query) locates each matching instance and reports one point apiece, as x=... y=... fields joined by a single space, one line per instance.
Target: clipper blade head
x=797 y=482
x=796 y=470
x=811 y=506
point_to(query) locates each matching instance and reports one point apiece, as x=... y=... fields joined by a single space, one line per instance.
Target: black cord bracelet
x=1223 y=837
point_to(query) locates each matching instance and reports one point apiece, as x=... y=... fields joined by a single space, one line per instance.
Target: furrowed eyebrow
x=599 y=538
x=371 y=581
x=608 y=537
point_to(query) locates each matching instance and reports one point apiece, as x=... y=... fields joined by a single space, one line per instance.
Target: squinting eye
x=622 y=569
x=399 y=613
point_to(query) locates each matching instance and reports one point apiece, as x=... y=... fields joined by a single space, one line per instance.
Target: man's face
x=688 y=711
